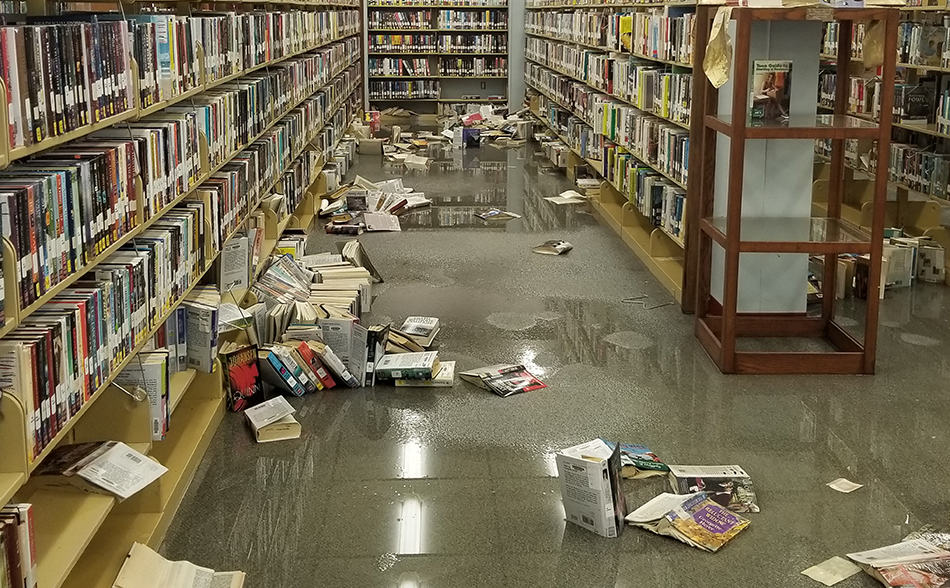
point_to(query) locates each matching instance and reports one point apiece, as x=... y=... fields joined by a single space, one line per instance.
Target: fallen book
x=496 y=214
x=408 y=366
x=638 y=461
x=553 y=247
x=476 y=375
x=399 y=342
x=143 y=568
x=915 y=563
x=422 y=329
x=728 y=485
x=273 y=420
x=444 y=379
x=105 y=467
x=589 y=476
x=693 y=519
x=513 y=380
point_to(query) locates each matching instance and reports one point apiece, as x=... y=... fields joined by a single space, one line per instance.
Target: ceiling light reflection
x=413 y=461
x=410 y=527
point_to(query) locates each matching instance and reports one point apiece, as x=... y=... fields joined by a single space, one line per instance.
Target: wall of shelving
x=919 y=175
x=421 y=54
x=613 y=82
x=301 y=84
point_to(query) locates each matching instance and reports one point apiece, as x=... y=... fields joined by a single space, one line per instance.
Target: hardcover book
x=771 y=90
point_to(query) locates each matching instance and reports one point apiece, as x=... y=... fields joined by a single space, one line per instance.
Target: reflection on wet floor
x=455 y=487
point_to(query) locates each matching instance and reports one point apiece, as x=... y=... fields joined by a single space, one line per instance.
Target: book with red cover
x=316 y=365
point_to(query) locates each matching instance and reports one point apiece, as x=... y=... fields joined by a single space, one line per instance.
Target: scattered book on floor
x=273 y=420
x=553 y=247
x=512 y=380
x=567 y=197
x=476 y=375
x=354 y=252
x=496 y=214
x=728 y=485
x=408 y=366
x=144 y=568
x=638 y=461
x=693 y=519
x=402 y=343
x=422 y=329
x=380 y=221
x=914 y=562
x=444 y=379
x=242 y=377
x=589 y=475
x=105 y=467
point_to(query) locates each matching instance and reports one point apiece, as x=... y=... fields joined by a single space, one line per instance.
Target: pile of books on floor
x=705 y=508
x=370 y=206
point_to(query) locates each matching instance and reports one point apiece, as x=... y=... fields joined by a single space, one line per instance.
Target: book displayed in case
x=138 y=148
x=771 y=90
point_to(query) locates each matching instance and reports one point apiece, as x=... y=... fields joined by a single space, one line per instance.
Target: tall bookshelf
x=613 y=81
x=312 y=50
x=422 y=54
x=919 y=174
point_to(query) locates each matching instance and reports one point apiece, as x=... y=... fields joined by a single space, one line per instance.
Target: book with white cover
x=268 y=412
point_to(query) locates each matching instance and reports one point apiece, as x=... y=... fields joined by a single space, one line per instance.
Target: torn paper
x=844 y=485
x=832 y=570
x=718 y=60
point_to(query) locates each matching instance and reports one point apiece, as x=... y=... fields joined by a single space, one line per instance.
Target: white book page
x=657 y=508
x=122 y=471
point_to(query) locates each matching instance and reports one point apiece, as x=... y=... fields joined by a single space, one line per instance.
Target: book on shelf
x=144 y=568
x=151 y=373
x=771 y=90
x=105 y=467
x=693 y=519
x=18 y=536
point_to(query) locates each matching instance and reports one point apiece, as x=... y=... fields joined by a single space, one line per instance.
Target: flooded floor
x=455 y=487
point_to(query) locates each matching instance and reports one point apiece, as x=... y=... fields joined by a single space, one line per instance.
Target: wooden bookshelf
x=82 y=538
x=448 y=84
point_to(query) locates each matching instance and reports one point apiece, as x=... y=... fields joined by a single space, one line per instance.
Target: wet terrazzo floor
x=456 y=487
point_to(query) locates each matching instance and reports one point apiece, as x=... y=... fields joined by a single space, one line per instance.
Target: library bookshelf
x=921 y=202
x=82 y=538
x=568 y=67
x=461 y=55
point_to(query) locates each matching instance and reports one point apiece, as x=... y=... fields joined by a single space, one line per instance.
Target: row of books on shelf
x=652 y=35
x=445 y=43
x=473 y=66
x=399 y=19
x=634 y=172
x=831 y=35
x=65 y=207
x=61 y=354
x=448 y=66
x=917 y=103
x=440 y=3
x=472 y=19
x=647 y=85
x=63 y=76
x=389 y=89
x=659 y=200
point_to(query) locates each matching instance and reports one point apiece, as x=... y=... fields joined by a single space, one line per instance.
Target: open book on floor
x=503 y=379
x=143 y=568
x=693 y=519
x=728 y=485
x=638 y=461
x=914 y=562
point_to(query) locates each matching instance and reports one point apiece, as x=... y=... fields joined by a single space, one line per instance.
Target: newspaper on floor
x=143 y=568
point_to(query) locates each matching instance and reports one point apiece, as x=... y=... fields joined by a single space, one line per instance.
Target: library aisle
x=457 y=487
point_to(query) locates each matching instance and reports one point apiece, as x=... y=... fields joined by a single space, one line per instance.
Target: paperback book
x=512 y=380
x=771 y=90
x=638 y=461
x=244 y=387
x=693 y=519
x=729 y=485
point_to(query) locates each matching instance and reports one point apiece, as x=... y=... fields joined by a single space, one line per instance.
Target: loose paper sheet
x=718 y=58
x=844 y=485
x=657 y=507
x=832 y=570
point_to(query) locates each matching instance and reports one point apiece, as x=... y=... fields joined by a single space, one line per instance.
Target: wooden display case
x=719 y=325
